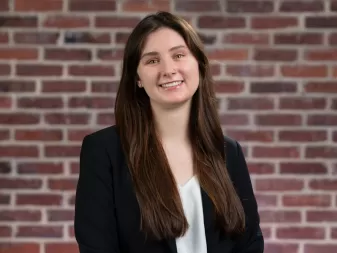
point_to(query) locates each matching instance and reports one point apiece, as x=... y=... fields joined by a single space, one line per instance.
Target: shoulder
x=103 y=135
x=235 y=160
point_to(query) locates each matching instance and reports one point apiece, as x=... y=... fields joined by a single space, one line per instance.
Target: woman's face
x=167 y=70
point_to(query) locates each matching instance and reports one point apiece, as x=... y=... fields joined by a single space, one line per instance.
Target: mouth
x=171 y=84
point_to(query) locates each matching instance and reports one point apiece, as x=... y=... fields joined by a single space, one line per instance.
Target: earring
x=140 y=85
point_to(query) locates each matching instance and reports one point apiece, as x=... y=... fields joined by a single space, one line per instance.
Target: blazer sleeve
x=252 y=241
x=94 y=222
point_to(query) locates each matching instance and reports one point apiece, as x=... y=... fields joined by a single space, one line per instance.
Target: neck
x=172 y=124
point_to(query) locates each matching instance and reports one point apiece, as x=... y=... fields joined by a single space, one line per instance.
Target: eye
x=153 y=61
x=179 y=56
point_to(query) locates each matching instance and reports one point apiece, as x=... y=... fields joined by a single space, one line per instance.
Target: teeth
x=167 y=85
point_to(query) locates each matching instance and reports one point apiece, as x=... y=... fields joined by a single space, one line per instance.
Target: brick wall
x=274 y=65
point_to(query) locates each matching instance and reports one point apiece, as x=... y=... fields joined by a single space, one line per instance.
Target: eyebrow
x=156 y=53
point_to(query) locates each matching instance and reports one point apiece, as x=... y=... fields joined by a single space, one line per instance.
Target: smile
x=171 y=84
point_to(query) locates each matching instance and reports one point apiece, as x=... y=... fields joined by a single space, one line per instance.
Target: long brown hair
x=162 y=214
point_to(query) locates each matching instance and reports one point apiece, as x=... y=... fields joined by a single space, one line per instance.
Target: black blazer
x=107 y=215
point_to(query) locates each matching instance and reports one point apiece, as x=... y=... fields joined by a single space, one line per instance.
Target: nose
x=168 y=67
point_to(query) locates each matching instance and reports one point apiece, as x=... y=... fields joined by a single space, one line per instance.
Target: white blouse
x=194 y=241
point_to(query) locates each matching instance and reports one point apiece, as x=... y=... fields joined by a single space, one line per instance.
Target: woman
x=164 y=179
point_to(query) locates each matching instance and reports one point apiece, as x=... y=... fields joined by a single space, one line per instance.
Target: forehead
x=162 y=40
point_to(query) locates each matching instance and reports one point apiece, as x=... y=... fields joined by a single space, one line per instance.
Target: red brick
x=40 y=168
x=282 y=55
x=306 y=200
x=61 y=247
x=105 y=119
x=38 y=5
x=311 y=233
x=92 y=6
x=298 y=38
x=6 y=102
x=5 y=199
x=197 y=6
x=278 y=120
x=300 y=6
x=16 y=85
x=38 y=135
x=246 y=39
x=228 y=54
x=4 y=135
x=110 y=54
x=5 y=70
x=40 y=103
x=19 y=118
x=321 y=86
x=275 y=216
x=5 y=231
x=303 y=103
x=303 y=135
x=266 y=200
x=323 y=184
x=274 y=22
x=321 y=55
x=9 y=183
x=62 y=21
x=18 y=21
x=89 y=38
x=38 y=70
x=244 y=6
x=303 y=71
x=229 y=86
x=250 y=70
x=4 y=5
x=321 y=22
x=116 y=22
x=91 y=102
x=74 y=168
x=67 y=54
x=66 y=118
x=321 y=248
x=251 y=135
x=5 y=168
x=62 y=184
x=60 y=215
x=322 y=120
x=62 y=151
x=215 y=69
x=328 y=152
x=104 y=86
x=39 y=199
x=261 y=168
x=19 y=151
x=4 y=37
x=39 y=231
x=91 y=70
x=36 y=38
x=333 y=233
x=332 y=39
x=280 y=184
x=275 y=152
x=221 y=22
x=19 y=247
x=321 y=216
x=20 y=215
x=121 y=37
x=281 y=247
x=208 y=39
x=273 y=87
x=60 y=86
x=247 y=103
x=231 y=119
x=145 y=5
